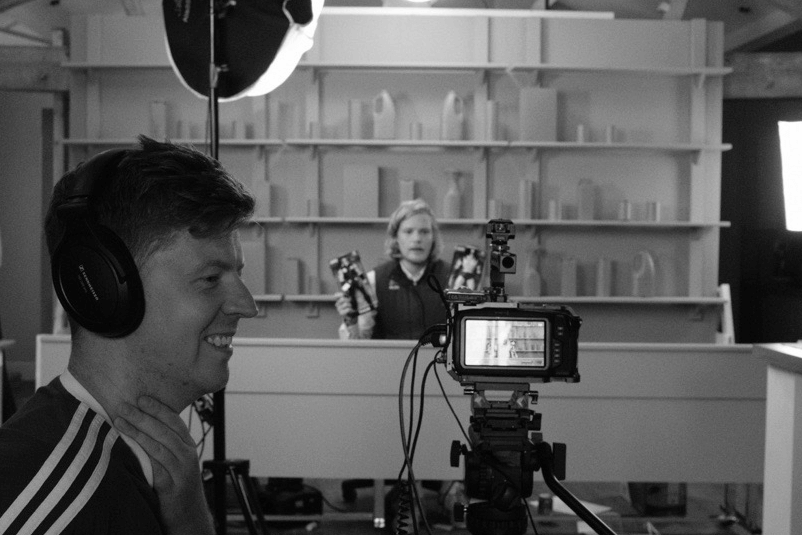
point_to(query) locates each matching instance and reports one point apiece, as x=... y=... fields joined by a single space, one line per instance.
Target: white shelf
x=635 y=225
x=86 y=65
x=659 y=147
x=563 y=300
x=420 y=145
x=268 y=298
x=444 y=67
x=622 y=301
x=526 y=223
x=397 y=144
x=309 y=298
x=261 y=220
x=523 y=68
x=90 y=142
x=336 y=220
x=371 y=221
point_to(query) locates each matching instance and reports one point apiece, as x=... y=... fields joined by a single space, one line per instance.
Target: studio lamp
x=791 y=158
x=258 y=43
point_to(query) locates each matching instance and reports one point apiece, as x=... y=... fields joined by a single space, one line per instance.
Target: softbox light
x=258 y=41
x=791 y=159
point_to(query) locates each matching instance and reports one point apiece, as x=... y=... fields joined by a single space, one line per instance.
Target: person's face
x=415 y=239
x=194 y=300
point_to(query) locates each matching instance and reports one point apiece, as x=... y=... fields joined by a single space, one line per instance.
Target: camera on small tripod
x=499 y=348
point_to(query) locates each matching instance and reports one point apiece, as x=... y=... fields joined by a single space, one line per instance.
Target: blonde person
x=406 y=306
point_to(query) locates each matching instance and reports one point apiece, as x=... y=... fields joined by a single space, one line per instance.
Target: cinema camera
x=498 y=347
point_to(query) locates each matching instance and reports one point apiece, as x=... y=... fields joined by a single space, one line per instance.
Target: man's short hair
x=157 y=190
x=404 y=211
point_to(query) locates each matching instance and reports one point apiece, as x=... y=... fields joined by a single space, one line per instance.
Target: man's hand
x=176 y=473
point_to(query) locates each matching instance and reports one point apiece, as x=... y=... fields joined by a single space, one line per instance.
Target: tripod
x=499 y=469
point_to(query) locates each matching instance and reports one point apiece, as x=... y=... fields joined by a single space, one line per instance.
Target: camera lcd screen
x=519 y=343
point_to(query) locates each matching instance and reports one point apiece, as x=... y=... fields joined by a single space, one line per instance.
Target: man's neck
x=110 y=374
x=105 y=386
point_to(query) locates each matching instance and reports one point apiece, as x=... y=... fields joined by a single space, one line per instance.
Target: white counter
x=642 y=412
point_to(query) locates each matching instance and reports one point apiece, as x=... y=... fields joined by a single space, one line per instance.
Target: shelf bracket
x=484 y=79
x=313 y=310
x=538 y=77
x=697 y=313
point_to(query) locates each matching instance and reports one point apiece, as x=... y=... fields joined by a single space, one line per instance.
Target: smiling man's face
x=194 y=299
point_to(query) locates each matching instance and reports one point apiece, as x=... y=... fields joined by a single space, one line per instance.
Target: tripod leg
x=546 y=460
x=378 y=504
x=245 y=498
x=254 y=500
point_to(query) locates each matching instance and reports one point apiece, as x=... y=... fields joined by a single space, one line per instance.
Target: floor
x=709 y=510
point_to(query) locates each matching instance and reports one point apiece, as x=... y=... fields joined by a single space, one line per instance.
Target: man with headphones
x=147 y=262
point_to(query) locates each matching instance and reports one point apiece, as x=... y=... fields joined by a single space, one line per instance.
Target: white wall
x=21 y=216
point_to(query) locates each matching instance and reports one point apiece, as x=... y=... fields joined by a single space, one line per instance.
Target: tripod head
x=507 y=448
x=500 y=466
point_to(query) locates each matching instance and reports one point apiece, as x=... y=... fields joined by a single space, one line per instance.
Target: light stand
x=267 y=39
x=222 y=468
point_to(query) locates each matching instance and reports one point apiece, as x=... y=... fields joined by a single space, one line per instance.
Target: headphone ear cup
x=97 y=281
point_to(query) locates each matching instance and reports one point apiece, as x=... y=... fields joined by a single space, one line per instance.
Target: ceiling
x=749 y=25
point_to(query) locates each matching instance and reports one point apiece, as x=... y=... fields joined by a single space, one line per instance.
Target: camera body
x=504 y=342
x=494 y=341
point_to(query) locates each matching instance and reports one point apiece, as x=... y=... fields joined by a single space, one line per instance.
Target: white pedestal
x=782 y=480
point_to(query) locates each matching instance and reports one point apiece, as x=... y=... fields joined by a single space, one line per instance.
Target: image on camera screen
x=505 y=342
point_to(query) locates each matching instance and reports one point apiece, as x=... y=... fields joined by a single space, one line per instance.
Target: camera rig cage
x=494 y=341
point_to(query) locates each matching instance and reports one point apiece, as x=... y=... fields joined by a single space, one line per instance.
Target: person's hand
x=345 y=305
x=176 y=474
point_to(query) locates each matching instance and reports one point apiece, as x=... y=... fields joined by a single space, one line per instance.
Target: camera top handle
x=502 y=261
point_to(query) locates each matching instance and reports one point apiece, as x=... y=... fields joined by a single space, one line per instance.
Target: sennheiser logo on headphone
x=85 y=284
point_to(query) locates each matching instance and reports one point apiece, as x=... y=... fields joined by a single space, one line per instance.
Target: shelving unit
x=658 y=83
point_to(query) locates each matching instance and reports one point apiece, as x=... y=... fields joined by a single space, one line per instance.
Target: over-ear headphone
x=94 y=274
